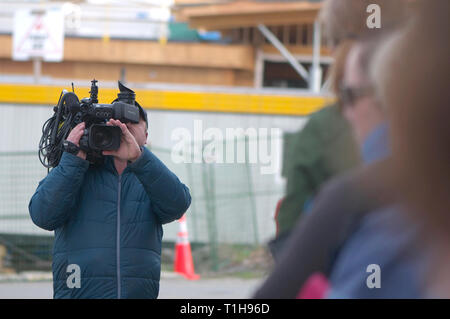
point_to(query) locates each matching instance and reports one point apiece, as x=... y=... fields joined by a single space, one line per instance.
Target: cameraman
x=108 y=219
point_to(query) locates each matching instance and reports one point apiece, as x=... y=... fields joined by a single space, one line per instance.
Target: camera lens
x=104 y=137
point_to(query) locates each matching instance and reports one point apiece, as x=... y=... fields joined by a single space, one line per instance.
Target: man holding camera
x=108 y=219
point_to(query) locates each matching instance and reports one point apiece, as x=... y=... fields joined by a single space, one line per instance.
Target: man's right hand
x=75 y=136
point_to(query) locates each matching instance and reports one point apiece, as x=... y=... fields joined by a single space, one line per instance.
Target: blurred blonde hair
x=338 y=67
x=411 y=73
x=347 y=19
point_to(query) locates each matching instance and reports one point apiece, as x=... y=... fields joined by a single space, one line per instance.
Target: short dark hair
x=142 y=113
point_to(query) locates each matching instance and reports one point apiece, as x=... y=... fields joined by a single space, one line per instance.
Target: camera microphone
x=71 y=102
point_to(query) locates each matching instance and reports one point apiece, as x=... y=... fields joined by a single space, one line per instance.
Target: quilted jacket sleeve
x=52 y=203
x=171 y=198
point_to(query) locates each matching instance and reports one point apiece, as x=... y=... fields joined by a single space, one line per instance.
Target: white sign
x=38 y=34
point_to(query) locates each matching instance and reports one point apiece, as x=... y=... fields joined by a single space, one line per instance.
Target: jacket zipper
x=118 y=239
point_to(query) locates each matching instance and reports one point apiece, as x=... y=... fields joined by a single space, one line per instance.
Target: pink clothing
x=316 y=287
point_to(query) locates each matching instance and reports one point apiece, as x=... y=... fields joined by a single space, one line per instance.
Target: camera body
x=98 y=136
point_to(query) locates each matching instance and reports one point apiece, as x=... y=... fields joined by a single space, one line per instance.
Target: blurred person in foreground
x=343 y=203
x=412 y=75
x=384 y=242
x=325 y=147
x=108 y=219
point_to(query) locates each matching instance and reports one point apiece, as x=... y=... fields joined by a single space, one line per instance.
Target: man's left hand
x=129 y=149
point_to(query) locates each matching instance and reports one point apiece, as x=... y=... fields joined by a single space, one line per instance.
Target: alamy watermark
x=374 y=19
x=229 y=145
x=74 y=279
x=374 y=279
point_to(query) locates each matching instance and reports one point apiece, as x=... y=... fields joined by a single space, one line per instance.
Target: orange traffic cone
x=183 y=256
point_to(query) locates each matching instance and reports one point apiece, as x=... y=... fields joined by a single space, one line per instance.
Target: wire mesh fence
x=232 y=206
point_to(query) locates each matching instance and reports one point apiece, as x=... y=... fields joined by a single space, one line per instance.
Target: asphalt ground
x=172 y=286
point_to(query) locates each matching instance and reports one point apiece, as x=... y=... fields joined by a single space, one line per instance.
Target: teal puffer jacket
x=110 y=226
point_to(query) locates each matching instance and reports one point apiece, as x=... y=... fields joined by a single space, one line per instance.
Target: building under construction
x=223 y=64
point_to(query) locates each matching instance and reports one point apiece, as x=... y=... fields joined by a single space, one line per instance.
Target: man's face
x=139 y=131
x=359 y=105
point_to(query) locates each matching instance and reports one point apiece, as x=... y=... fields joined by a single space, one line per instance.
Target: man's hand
x=129 y=149
x=74 y=137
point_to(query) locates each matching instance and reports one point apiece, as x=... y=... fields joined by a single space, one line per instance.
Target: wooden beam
x=197 y=2
x=175 y=54
x=203 y=55
x=5 y=46
x=136 y=73
x=251 y=20
x=247 y=14
x=251 y=7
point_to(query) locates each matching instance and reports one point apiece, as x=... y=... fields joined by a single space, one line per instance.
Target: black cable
x=54 y=131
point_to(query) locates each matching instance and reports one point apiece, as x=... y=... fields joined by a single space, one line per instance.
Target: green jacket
x=325 y=147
